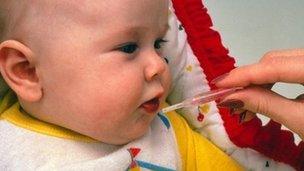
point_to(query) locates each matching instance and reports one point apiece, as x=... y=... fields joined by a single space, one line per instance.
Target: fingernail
x=242 y=117
x=238 y=111
x=219 y=78
x=231 y=103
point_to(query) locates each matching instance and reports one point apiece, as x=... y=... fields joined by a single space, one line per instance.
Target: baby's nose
x=155 y=66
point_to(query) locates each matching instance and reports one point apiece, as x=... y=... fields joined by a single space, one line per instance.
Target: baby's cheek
x=167 y=81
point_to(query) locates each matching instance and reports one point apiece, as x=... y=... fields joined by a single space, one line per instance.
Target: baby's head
x=94 y=67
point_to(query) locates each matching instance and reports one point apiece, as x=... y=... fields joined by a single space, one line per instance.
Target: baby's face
x=101 y=67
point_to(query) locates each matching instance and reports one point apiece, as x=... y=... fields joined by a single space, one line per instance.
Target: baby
x=89 y=77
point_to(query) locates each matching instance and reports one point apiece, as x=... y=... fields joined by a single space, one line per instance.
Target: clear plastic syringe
x=202 y=98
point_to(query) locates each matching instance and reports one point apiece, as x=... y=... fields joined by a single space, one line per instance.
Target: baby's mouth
x=151 y=106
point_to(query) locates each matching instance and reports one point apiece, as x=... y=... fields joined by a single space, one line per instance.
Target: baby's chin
x=127 y=132
x=122 y=141
x=127 y=137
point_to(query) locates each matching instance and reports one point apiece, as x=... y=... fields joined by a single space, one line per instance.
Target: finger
x=249 y=115
x=245 y=115
x=238 y=111
x=278 y=66
x=287 y=112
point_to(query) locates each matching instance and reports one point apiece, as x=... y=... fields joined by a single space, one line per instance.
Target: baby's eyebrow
x=136 y=30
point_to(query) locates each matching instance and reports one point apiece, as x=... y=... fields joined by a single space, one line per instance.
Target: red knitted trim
x=206 y=44
x=269 y=140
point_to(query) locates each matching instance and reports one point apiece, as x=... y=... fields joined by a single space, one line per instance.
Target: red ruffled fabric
x=206 y=44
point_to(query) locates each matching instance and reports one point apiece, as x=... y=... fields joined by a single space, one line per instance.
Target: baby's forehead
x=40 y=7
x=36 y=17
x=80 y=9
x=83 y=11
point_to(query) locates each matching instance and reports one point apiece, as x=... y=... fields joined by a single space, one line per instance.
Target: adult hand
x=276 y=66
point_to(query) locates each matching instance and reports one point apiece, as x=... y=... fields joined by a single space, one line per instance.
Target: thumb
x=266 y=102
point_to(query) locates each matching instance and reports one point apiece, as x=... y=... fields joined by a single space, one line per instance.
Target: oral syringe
x=202 y=98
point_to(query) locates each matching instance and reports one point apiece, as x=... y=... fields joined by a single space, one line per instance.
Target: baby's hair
x=3 y=22
x=4 y=18
x=3 y=25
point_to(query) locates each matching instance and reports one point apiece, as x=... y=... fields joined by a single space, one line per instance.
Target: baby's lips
x=151 y=105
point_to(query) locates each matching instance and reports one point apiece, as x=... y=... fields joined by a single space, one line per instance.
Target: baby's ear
x=17 y=66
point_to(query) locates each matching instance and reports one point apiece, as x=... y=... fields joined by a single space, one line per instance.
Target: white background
x=251 y=28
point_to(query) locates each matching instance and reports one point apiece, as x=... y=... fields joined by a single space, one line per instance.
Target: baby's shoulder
x=15 y=145
x=29 y=150
x=11 y=135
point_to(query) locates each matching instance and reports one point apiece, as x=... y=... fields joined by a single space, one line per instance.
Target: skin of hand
x=257 y=79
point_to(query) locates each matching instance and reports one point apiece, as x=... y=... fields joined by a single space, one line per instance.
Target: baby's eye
x=128 y=48
x=158 y=43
